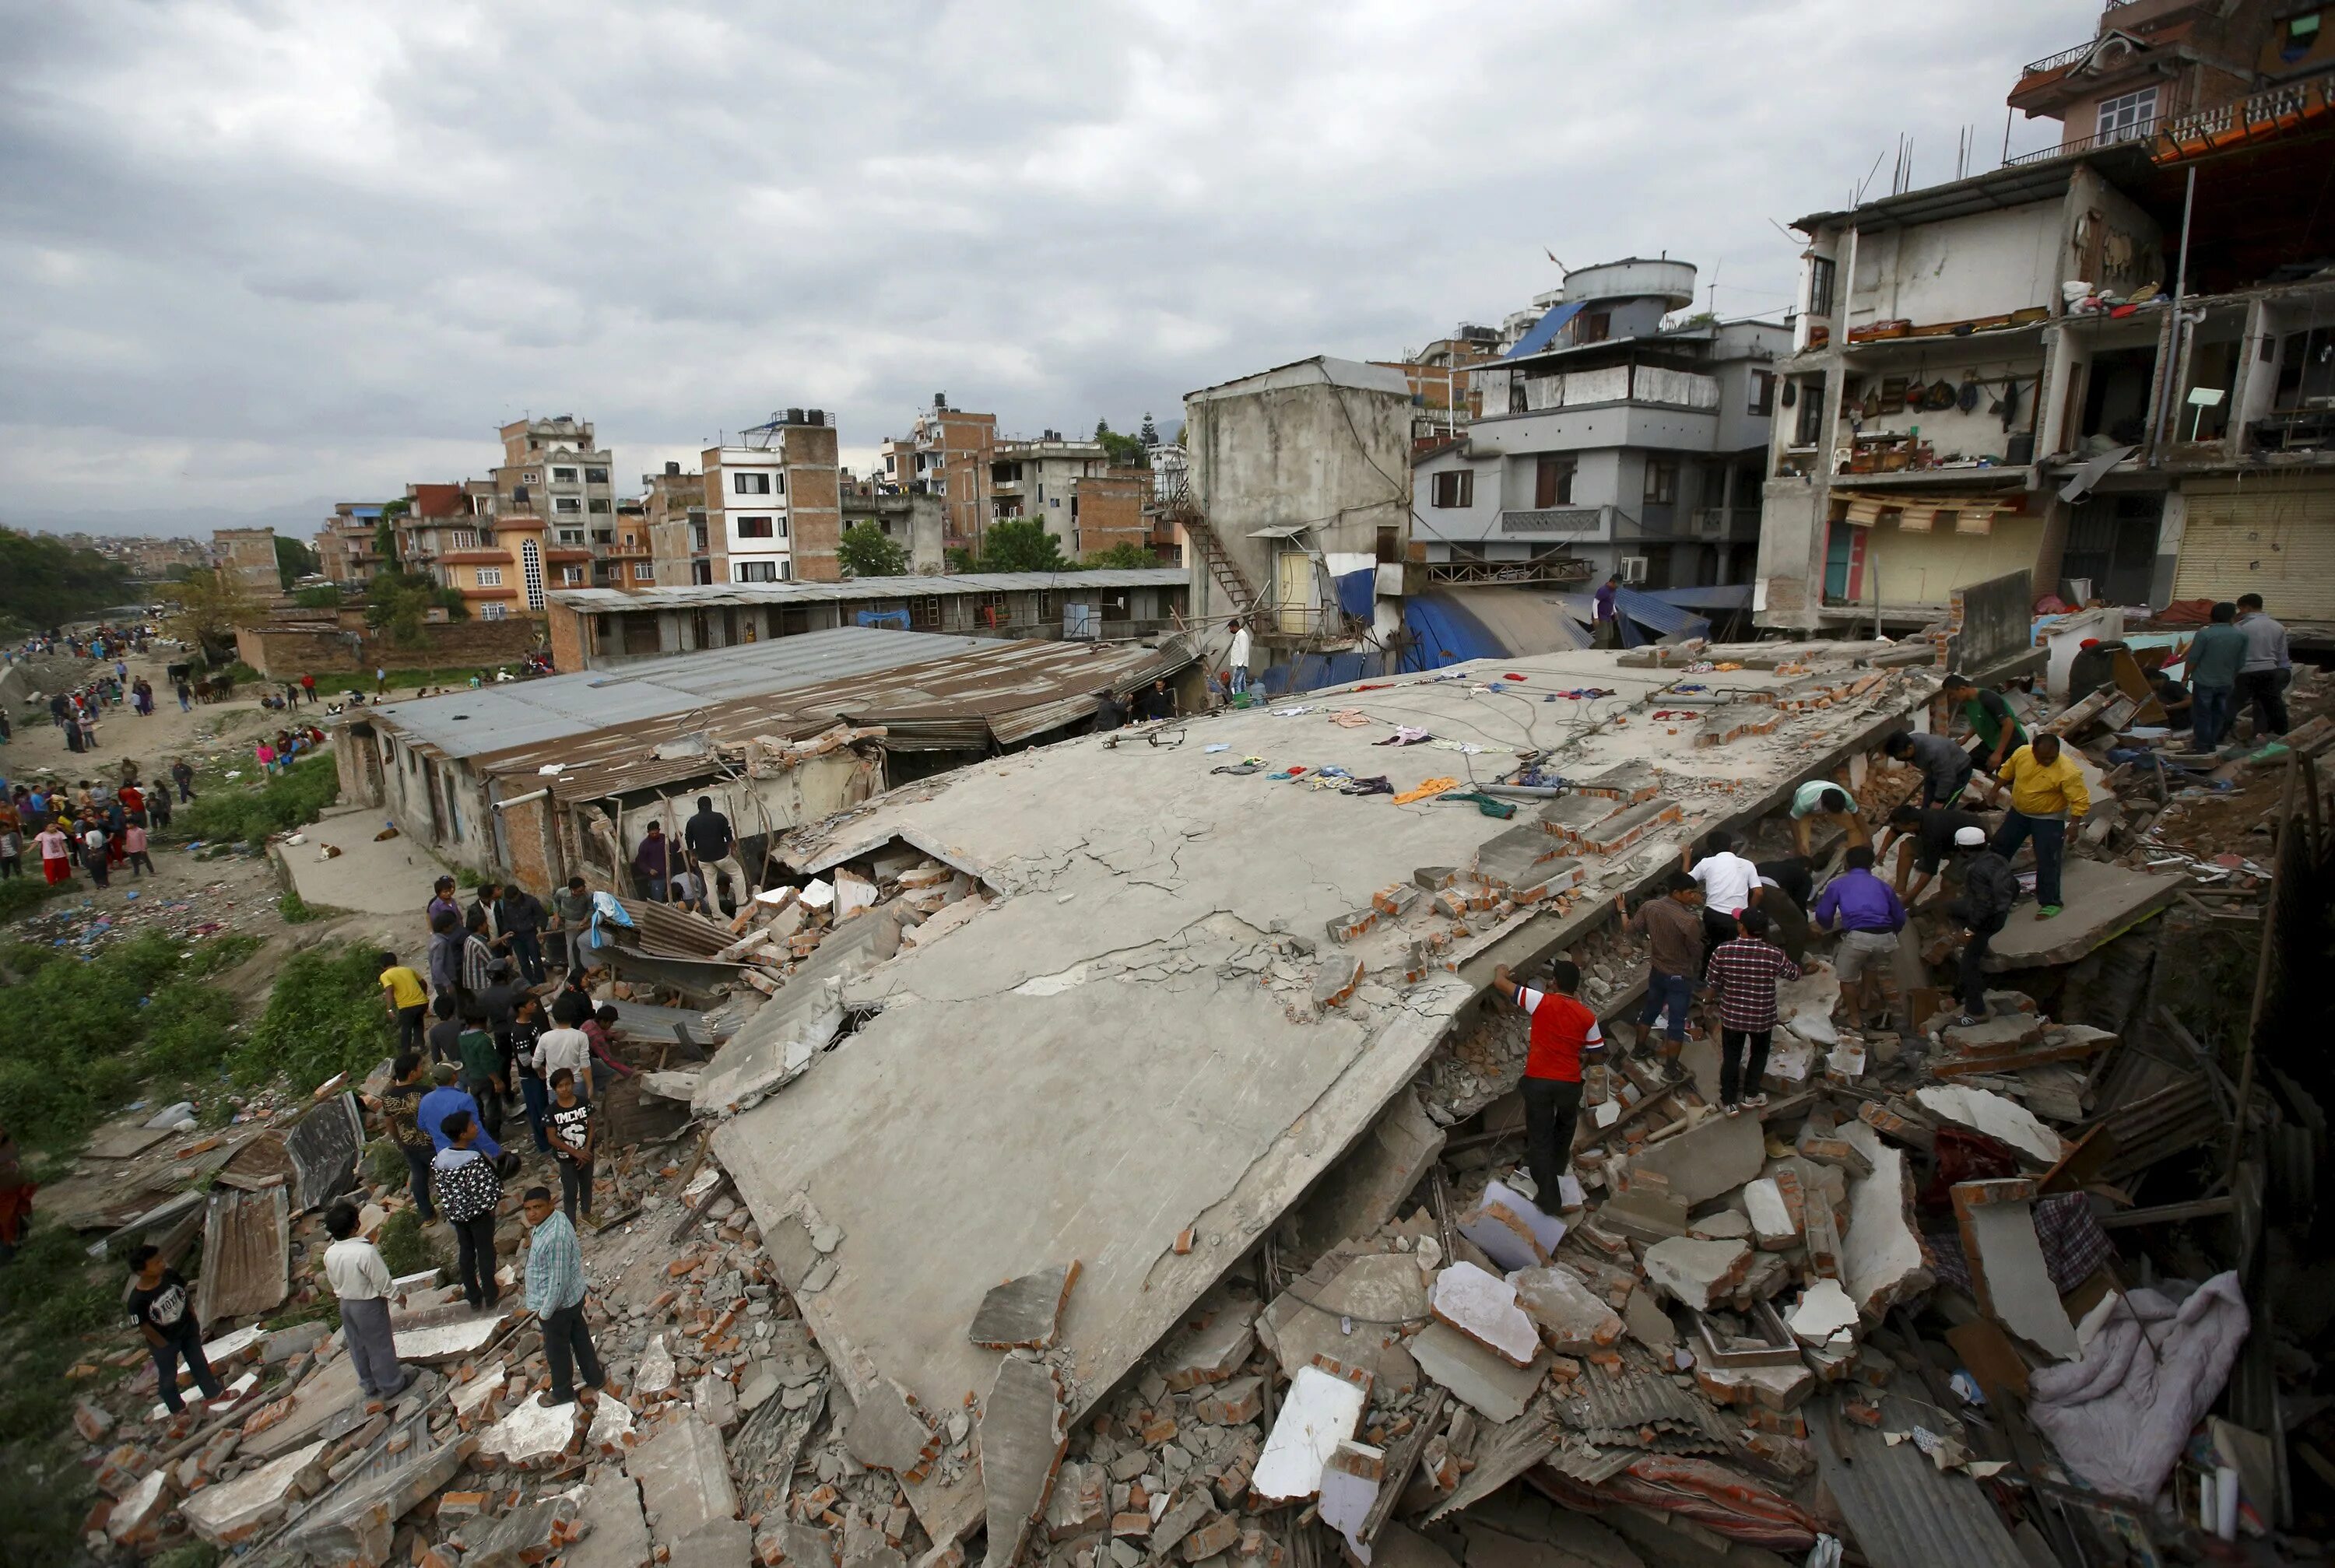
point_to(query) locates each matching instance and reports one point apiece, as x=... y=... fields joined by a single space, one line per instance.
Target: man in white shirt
x=567 y=1048
x=354 y=1269
x=1730 y=884
x=1236 y=661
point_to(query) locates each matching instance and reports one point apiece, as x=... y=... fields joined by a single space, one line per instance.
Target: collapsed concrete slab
x=2102 y=902
x=232 y=1511
x=1999 y=1117
x=684 y=1479
x=1696 y=1274
x=2007 y=1274
x=1571 y=1316
x=1715 y=1155
x=1486 y=1382
x=1364 y=1189
x=1483 y=1306
x=1320 y=1411
x=1882 y=1261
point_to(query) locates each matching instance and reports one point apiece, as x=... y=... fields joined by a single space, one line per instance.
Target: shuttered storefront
x=2273 y=535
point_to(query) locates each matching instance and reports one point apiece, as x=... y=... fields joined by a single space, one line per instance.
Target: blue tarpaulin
x=1544 y=331
x=897 y=619
x=1356 y=592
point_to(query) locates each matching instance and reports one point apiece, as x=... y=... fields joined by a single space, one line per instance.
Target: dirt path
x=38 y=749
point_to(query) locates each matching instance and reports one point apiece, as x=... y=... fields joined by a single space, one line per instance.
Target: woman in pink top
x=267 y=754
x=133 y=846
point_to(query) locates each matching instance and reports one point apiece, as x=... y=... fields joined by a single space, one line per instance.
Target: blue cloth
x=555 y=1267
x=442 y=1102
x=1357 y=592
x=1859 y=901
x=1669 y=992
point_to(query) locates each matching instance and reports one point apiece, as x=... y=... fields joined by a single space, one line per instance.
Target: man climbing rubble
x=713 y=845
x=1989 y=890
x=1563 y=1029
x=1868 y=913
x=1673 y=930
x=2046 y=798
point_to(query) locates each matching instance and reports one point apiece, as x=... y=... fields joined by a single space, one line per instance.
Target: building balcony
x=1724 y=522
x=1559 y=521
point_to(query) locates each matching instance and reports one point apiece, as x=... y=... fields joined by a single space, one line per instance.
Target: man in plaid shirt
x=1743 y=973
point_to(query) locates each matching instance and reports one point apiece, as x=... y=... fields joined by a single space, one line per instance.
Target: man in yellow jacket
x=2047 y=794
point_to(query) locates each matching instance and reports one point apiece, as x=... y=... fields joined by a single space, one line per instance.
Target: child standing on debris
x=354 y=1269
x=133 y=848
x=1563 y=1029
x=555 y=1295
x=1744 y=973
x=470 y=1190
x=164 y=1310
x=482 y=1075
x=2046 y=795
x=574 y=1131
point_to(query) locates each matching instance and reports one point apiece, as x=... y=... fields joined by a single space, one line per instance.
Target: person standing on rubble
x=555 y=1295
x=482 y=1074
x=1562 y=1031
x=400 y=1109
x=1988 y=715
x=652 y=863
x=361 y=1279
x=1743 y=975
x=1729 y=883
x=163 y=1308
x=470 y=1190
x=1990 y=888
x=713 y=845
x=1606 y=619
x=1237 y=660
x=2216 y=656
x=1869 y=915
x=2047 y=796
x=571 y=910
x=575 y=1131
x=401 y=994
x=522 y=914
x=2267 y=667
x=1673 y=932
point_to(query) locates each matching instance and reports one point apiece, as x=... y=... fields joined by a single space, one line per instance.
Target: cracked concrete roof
x=1114 y=1052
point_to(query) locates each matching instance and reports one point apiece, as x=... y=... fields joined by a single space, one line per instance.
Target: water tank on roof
x=817 y=417
x=794 y=416
x=1671 y=282
x=673 y=467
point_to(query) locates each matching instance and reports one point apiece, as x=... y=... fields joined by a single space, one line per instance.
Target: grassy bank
x=325 y=1016
x=231 y=811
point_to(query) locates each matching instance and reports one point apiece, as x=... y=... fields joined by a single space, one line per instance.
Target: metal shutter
x=2271 y=535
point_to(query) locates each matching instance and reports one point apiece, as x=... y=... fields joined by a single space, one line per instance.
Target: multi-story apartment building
x=773 y=506
x=247 y=558
x=910 y=519
x=487 y=545
x=2100 y=365
x=1444 y=398
x=1606 y=442
x=947 y=453
x=348 y=546
x=568 y=478
x=674 y=511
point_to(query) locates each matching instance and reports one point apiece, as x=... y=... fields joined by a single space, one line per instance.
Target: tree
x=1022 y=545
x=1124 y=556
x=294 y=561
x=328 y=597
x=45 y=583
x=207 y=608
x=866 y=552
x=400 y=603
x=1124 y=452
x=1149 y=434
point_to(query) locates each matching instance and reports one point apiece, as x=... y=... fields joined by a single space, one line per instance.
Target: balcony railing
x=1557 y=520
x=2138 y=131
x=2065 y=57
x=1547 y=569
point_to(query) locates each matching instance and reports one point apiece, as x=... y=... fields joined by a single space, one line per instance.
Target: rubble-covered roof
x=704 y=596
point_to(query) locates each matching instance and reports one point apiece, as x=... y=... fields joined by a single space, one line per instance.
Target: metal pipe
x=2173 y=328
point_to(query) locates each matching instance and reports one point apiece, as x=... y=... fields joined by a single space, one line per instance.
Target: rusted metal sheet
x=246 y=1253
x=1902 y=1510
x=325 y=1147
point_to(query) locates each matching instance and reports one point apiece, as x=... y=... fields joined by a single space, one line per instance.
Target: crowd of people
x=102 y=828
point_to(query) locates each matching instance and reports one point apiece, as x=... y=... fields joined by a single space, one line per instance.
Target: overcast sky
x=261 y=255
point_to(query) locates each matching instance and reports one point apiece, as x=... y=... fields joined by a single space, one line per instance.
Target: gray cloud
x=260 y=253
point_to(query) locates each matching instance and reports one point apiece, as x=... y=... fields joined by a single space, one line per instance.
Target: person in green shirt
x=1990 y=717
x=482 y=1075
x=2215 y=655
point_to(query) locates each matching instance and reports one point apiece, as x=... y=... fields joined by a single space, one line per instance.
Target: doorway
x=2112 y=543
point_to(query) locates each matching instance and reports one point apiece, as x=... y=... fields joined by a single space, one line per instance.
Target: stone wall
x=287 y=652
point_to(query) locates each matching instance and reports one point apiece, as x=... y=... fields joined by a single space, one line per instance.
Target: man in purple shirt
x=1607 y=633
x=1869 y=914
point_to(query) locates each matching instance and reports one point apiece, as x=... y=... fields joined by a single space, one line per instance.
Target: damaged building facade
x=2101 y=363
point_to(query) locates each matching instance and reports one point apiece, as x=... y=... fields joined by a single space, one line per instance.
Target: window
x=2127 y=118
x=1456 y=489
x=595 y=476
x=1809 y=429
x=697 y=536
x=643 y=572
x=1763 y=393
x=567 y=503
x=571 y=576
x=461 y=538
x=596 y=504
x=1553 y=482
x=757 y=571
x=1661 y=481
x=1820 y=276
x=701 y=573
x=749 y=484
x=494 y=611
x=562 y=475
x=891 y=462
x=571 y=535
x=530 y=567
x=490 y=576
x=1593 y=327
x=757 y=528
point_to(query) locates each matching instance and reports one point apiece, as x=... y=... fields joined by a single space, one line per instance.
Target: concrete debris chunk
x=1572 y=1317
x=1696 y=1274
x=231 y=1512
x=616 y=1531
x=1880 y=1257
x=1216 y=1350
x=1772 y=1224
x=534 y=1433
x=1024 y=1313
x=1483 y=1306
x=1715 y=1155
x=1513 y=1231
x=1024 y=1430
x=1080 y=1503
x=684 y=1479
x=885 y=1432
x=656 y=1373
x=1825 y=1317
x=1486 y=1382
x=2007 y=1274
x=1350 y=1485
x=1380 y=1293
x=1320 y=1411
x=527 y=1536
x=1997 y=1115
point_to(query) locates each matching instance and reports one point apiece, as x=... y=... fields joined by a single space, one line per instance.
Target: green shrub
x=324 y=1017
x=405 y=1247
x=20 y=895
x=226 y=815
x=51 y=1298
x=293 y=908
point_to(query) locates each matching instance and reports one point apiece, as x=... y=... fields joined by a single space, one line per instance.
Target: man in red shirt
x=1561 y=1029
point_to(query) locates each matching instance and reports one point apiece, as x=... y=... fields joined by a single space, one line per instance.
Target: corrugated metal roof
x=246 y=1253
x=603 y=600
x=500 y=717
x=1007 y=689
x=1902 y=1510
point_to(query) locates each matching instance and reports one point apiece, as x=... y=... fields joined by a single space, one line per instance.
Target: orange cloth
x=1432 y=787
